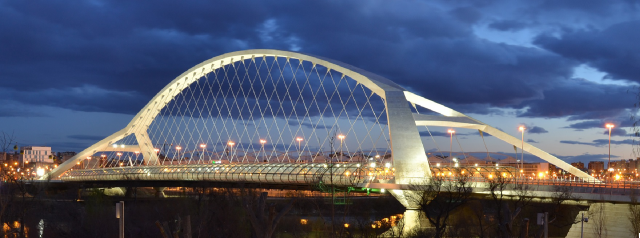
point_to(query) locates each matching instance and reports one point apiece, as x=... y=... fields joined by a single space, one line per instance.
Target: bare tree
x=440 y=197
x=6 y=140
x=508 y=200
x=263 y=217
x=597 y=216
x=634 y=212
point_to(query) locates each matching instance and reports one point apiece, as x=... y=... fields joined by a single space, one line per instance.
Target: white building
x=36 y=154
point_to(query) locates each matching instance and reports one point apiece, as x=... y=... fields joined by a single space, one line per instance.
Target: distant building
x=36 y=154
x=596 y=167
x=578 y=165
x=625 y=166
x=64 y=156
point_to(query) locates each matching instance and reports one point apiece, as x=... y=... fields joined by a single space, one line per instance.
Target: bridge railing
x=346 y=174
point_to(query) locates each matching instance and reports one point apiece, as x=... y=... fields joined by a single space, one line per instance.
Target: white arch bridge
x=271 y=116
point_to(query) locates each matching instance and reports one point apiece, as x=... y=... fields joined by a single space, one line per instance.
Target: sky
x=72 y=73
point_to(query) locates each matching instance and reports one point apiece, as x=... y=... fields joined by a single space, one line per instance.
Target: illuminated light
x=610 y=126
x=115 y=145
x=341 y=137
x=88 y=157
x=346 y=225
x=372 y=165
x=122 y=146
x=303 y=221
x=504 y=175
x=263 y=141
x=382 y=190
x=137 y=152
x=451 y=131
x=476 y=165
x=103 y=155
x=388 y=165
x=617 y=176
x=78 y=162
x=118 y=154
x=299 y=139
x=231 y=143
x=455 y=165
x=346 y=173
x=377 y=156
x=521 y=128
x=372 y=226
x=203 y=146
x=540 y=174
x=438 y=164
x=490 y=176
x=462 y=172
x=40 y=172
x=156 y=150
x=178 y=147
x=358 y=165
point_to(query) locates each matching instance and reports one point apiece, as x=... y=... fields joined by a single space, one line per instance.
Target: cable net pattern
x=265 y=110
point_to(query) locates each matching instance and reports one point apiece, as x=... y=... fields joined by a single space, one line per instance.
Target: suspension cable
x=434 y=140
x=465 y=156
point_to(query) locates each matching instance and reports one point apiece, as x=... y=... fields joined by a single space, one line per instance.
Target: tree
x=508 y=200
x=597 y=215
x=634 y=212
x=6 y=140
x=440 y=196
x=263 y=217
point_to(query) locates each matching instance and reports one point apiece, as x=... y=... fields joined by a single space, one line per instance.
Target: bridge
x=272 y=117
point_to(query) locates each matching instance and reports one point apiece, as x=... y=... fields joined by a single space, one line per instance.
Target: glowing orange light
x=231 y=143
x=451 y=131
x=203 y=146
x=299 y=139
x=341 y=137
x=610 y=126
x=522 y=128
x=178 y=147
x=263 y=141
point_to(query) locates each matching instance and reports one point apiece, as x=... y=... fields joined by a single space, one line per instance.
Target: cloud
x=86 y=137
x=617 y=132
x=595 y=48
x=600 y=142
x=585 y=158
x=531 y=141
x=72 y=59
x=537 y=130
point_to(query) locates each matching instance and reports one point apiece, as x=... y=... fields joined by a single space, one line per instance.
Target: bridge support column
x=159 y=192
x=610 y=220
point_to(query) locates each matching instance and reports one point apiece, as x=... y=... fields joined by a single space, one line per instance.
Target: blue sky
x=74 y=72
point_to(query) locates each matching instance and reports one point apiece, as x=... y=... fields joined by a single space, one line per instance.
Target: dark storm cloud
x=537 y=130
x=580 y=97
x=613 y=50
x=600 y=142
x=588 y=124
x=617 y=132
x=127 y=51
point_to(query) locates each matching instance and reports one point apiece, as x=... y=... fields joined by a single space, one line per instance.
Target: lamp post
x=137 y=153
x=451 y=131
x=157 y=154
x=87 y=164
x=522 y=128
x=262 y=142
x=119 y=154
x=102 y=161
x=341 y=137
x=230 y=143
x=178 y=148
x=299 y=139
x=202 y=155
x=609 y=164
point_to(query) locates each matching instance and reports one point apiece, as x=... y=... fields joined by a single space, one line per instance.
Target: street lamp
x=341 y=137
x=264 y=153
x=231 y=143
x=119 y=154
x=137 y=153
x=451 y=131
x=178 y=148
x=609 y=164
x=202 y=155
x=299 y=139
x=102 y=161
x=522 y=128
